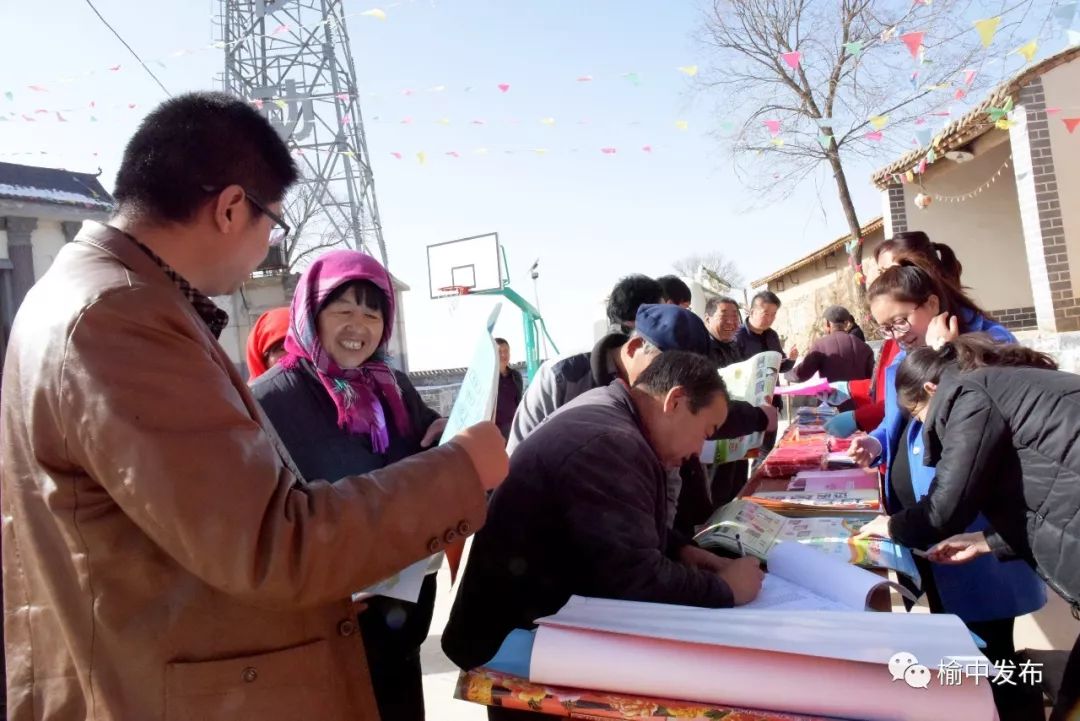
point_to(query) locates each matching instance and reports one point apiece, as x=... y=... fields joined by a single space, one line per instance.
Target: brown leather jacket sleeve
x=155 y=419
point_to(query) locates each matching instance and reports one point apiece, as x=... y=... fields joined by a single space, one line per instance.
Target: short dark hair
x=674 y=289
x=713 y=303
x=695 y=373
x=198 y=141
x=766 y=296
x=501 y=341
x=366 y=294
x=629 y=294
x=838 y=315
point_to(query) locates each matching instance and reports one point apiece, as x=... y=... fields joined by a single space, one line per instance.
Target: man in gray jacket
x=658 y=328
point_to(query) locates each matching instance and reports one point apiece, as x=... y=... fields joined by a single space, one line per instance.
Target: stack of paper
x=833 y=663
x=796 y=503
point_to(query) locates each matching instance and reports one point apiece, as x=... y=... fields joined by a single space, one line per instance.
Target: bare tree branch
x=715 y=262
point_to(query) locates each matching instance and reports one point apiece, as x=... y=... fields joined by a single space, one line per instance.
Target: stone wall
x=1064 y=347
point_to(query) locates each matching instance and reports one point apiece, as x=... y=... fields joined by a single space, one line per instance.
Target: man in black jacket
x=584 y=512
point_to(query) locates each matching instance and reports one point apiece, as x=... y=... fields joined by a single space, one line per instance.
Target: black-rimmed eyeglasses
x=281 y=229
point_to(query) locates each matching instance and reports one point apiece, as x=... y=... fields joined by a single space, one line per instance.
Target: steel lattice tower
x=292 y=59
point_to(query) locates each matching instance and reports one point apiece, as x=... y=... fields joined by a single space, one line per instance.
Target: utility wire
x=135 y=54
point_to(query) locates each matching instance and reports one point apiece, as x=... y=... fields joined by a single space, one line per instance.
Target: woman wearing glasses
x=910 y=302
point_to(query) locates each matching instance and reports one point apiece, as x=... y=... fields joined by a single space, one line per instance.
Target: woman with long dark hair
x=1001 y=428
x=910 y=303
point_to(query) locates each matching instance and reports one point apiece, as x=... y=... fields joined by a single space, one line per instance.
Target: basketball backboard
x=474 y=263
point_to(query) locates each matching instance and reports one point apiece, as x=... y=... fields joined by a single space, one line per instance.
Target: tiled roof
x=962 y=131
x=871 y=227
x=53 y=186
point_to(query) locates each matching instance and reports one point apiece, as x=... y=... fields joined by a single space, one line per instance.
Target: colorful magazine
x=759 y=529
x=752 y=381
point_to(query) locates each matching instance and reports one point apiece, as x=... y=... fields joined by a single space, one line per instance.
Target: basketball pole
x=530 y=317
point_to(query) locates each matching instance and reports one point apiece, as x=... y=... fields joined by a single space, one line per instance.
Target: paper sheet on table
x=779 y=594
x=753 y=678
x=833 y=663
x=825 y=576
x=817 y=481
x=816 y=384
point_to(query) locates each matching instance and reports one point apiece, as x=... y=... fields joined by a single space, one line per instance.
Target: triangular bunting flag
x=853 y=48
x=1028 y=50
x=987 y=29
x=778 y=142
x=1071 y=124
x=825 y=141
x=922 y=167
x=773 y=126
x=913 y=41
x=969 y=76
x=377 y=13
x=682 y=124
x=690 y=70
x=792 y=59
x=421 y=157
x=923 y=135
x=931 y=156
x=876 y=136
x=879 y=121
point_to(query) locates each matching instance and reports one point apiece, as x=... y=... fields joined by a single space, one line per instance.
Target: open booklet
x=850 y=665
x=752 y=381
x=474 y=404
x=801 y=578
x=759 y=530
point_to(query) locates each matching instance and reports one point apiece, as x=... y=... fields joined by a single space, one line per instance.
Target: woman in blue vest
x=908 y=302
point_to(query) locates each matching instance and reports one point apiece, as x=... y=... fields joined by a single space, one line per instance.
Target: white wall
x=1061 y=88
x=3 y=244
x=47 y=240
x=985 y=231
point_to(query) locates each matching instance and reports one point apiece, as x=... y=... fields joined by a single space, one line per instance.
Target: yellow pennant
x=377 y=13
x=690 y=70
x=1028 y=50
x=682 y=124
x=987 y=29
x=879 y=121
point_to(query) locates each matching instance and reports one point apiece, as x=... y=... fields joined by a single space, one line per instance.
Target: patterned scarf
x=358 y=393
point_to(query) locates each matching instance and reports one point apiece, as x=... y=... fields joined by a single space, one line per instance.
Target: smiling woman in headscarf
x=340 y=410
x=266 y=342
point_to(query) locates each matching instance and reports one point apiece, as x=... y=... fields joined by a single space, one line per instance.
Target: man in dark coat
x=836 y=356
x=511 y=388
x=584 y=512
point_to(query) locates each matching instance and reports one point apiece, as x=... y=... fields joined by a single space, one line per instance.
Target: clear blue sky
x=589 y=217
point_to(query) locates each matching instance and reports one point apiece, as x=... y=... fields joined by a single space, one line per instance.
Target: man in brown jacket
x=162 y=560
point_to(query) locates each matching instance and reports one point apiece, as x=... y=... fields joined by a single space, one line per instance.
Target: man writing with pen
x=583 y=512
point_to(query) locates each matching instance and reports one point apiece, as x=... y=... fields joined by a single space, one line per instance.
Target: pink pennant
x=280 y=29
x=969 y=76
x=28 y=119
x=38 y=88
x=876 y=135
x=60 y=117
x=1053 y=111
x=407 y=91
x=114 y=69
x=93 y=103
x=913 y=42
x=773 y=126
x=608 y=151
x=942 y=113
x=406 y=121
x=347 y=120
x=479 y=122
x=920 y=121
x=585 y=79
x=504 y=87
x=397 y=155
x=792 y=59
x=454 y=154
x=922 y=166
x=646 y=148
x=343 y=97
x=1071 y=124
x=41 y=111
x=960 y=94
x=257 y=103
x=131 y=106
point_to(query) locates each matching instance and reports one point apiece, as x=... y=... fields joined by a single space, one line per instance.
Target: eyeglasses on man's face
x=281 y=229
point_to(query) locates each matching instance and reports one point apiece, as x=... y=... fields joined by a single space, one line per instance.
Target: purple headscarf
x=356 y=392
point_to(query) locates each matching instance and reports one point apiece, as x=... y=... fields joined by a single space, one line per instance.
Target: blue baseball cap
x=669 y=327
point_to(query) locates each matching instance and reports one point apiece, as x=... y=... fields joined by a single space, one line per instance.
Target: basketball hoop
x=454 y=293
